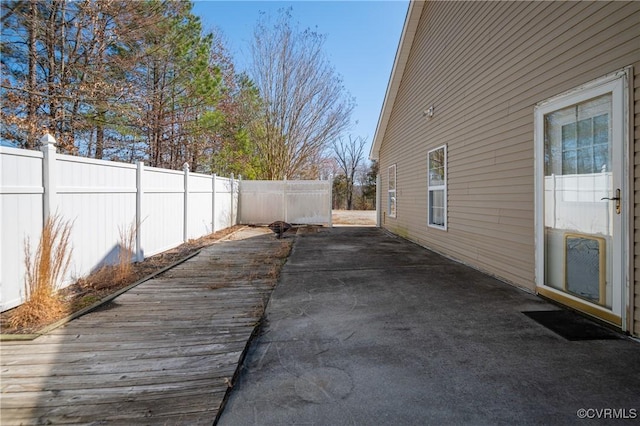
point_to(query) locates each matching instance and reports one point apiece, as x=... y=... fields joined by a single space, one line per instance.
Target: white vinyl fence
x=297 y=201
x=101 y=200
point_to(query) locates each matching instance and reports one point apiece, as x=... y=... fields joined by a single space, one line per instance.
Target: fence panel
x=262 y=201
x=298 y=202
x=98 y=198
x=308 y=202
x=200 y=205
x=103 y=200
x=226 y=202
x=21 y=194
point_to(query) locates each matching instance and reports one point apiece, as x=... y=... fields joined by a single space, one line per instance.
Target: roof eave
x=402 y=55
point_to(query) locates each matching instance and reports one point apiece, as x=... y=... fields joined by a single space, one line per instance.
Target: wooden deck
x=164 y=353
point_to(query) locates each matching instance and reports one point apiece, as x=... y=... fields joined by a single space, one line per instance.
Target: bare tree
x=349 y=155
x=304 y=104
x=368 y=185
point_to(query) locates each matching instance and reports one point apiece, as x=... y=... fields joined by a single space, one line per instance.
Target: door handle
x=616 y=199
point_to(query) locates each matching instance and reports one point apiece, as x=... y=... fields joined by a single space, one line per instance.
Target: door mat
x=572 y=326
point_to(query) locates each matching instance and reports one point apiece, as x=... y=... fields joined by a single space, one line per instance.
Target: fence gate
x=305 y=202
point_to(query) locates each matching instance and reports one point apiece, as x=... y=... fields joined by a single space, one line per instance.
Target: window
x=437 y=187
x=391 y=207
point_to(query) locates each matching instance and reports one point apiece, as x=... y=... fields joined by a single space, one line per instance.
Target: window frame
x=392 y=194
x=433 y=188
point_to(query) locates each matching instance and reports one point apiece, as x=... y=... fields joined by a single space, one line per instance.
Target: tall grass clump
x=119 y=272
x=124 y=267
x=44 y=270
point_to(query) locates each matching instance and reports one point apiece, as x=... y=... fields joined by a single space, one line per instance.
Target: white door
x=580 y=198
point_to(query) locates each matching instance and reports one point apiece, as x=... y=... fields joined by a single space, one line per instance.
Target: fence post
x=49 y=199
x=232 y=206
x=239 y=203
x=185 y=219
x=139 y=194
x=285 y=202
x=213 y=202
x=330 y=201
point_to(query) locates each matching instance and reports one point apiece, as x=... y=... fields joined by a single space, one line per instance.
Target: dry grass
x=354 y=217
x=284 y=250
x=44 y=270
x=281 y=255
x=101 y=284
x=120 y=272
x=268 y=265
x=125 y=253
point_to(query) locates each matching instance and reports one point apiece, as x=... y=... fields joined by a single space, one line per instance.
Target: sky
x=362 y=39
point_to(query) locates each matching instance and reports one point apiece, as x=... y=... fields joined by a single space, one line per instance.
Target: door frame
x=618 y=84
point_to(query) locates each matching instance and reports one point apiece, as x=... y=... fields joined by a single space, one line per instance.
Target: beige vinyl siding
x=484 y=66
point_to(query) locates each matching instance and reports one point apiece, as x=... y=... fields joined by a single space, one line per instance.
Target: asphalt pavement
x=365 y=328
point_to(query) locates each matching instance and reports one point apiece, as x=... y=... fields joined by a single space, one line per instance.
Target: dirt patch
x=354 y=217
x=89 y=290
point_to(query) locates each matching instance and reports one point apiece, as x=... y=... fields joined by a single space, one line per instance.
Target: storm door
x=580 y=142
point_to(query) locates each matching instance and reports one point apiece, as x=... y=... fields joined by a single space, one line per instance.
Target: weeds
x=284 y=250
x=267 y=266
x=122 y=270
x=44 y=270
x=124 y=266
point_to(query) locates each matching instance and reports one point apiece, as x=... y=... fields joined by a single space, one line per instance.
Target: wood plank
x=162 y=353
x=128 y=410
x=48 y=383
x=79 y=347
x=44 y=359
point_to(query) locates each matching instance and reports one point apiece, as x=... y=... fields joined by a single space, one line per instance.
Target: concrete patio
x=367 y=328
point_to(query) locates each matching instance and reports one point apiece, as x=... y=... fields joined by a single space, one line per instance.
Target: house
x=509 y=140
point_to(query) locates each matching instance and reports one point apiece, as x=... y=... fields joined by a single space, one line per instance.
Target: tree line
x=142 y=80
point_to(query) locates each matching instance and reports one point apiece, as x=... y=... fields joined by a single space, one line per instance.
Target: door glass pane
x=569 y=146
x=578 y=225
x=601 y=142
